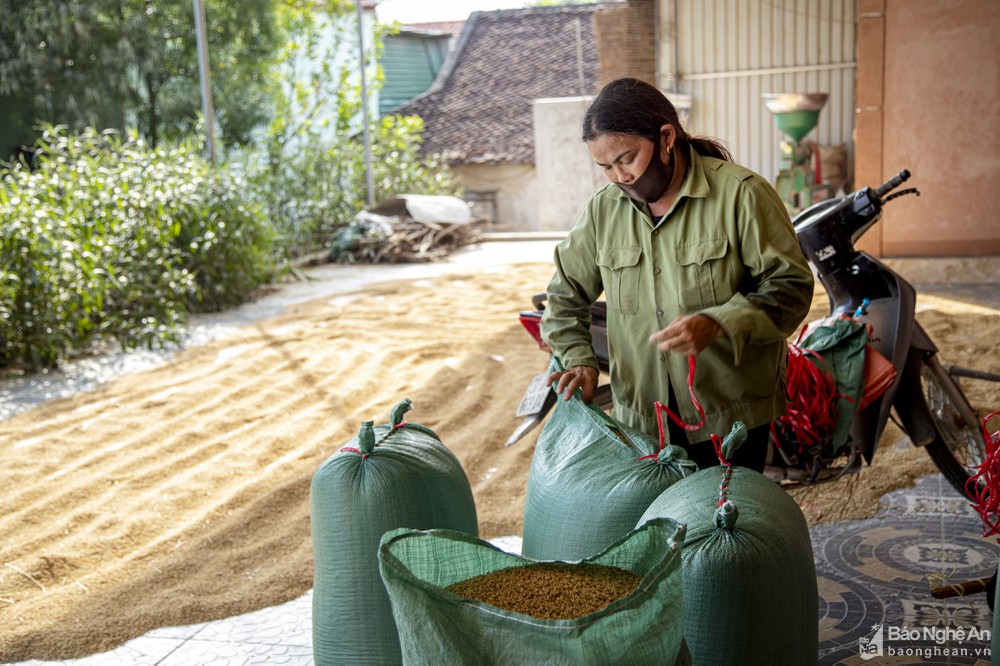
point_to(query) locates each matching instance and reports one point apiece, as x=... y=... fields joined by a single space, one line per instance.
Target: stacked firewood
x=398 y=239
x=413 y=241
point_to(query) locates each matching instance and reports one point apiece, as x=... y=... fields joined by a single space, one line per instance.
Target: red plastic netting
x=984 y=485
x=812 y=405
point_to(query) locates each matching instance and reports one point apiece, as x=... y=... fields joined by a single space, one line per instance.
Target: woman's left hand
x=688 y=334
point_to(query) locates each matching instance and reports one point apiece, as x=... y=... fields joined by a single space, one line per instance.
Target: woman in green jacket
x=696 y=256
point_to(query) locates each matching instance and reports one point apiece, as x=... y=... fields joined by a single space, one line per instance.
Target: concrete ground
x=872 y=573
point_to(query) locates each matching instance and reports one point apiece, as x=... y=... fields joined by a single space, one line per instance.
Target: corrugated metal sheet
x=730 y=52
x=411 y=62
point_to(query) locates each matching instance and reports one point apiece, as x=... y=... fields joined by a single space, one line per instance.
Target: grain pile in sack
x=750 y=591
x=389 y=476
x=437 y=626
x=591 y=478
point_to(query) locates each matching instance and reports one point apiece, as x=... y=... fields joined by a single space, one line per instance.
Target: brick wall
x=626 y=40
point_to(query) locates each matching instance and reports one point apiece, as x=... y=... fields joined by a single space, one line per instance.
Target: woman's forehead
x=608 y=148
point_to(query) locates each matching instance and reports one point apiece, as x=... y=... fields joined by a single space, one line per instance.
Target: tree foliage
x=309 y=167
x=134 y=63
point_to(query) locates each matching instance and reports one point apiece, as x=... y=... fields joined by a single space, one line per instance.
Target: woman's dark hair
x=632 y=107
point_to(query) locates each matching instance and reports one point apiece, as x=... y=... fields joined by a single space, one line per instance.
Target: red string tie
x=660 y=408
x=727 y=475
x=392 y=430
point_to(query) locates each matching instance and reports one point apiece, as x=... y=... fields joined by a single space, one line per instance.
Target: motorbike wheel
x=959 y=446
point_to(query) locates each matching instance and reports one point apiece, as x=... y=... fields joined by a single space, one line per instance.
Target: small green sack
x=437 y=626
x=750 y=591
x=591 y=478
x=840 y=342
x=390 y=476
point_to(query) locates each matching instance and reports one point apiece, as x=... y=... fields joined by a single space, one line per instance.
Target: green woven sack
x=750 y=592
x=437 y=626
x=390 y=476
x=840 y=343
x=591 y=478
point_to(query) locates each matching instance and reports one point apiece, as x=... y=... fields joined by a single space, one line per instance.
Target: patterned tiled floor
x=875 y=578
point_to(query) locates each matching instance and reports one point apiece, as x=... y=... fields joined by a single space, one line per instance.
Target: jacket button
x=656 y=270
x=659 y=313
x=663 y=357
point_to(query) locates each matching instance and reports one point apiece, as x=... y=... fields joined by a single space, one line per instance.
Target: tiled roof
x=479 y=110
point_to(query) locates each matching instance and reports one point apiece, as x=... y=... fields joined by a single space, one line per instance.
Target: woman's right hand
x=581 y=377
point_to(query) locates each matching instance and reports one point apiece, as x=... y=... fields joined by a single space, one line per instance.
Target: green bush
x=228 y=244
x=108 y=239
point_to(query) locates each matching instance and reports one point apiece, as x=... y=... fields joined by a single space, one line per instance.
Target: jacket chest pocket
x=620 y=273
x=701 y=274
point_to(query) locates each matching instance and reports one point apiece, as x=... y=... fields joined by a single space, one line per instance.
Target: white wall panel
x=730 y=52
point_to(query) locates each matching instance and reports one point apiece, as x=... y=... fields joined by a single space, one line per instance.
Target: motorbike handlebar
x=892 y=183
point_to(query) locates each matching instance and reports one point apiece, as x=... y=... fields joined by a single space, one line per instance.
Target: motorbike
x=925 y=399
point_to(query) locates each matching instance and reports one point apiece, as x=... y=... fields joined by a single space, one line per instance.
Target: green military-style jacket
x=725 y=249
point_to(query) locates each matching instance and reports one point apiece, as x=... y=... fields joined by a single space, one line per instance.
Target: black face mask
x=653 y=182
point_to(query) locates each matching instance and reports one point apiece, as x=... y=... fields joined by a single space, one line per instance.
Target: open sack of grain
x=591 y=478
x=622 y=606
x=750 y=590
x=389 y=476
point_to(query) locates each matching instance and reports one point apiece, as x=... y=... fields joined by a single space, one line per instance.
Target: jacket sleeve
x=574 y=287
x=778 y=288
